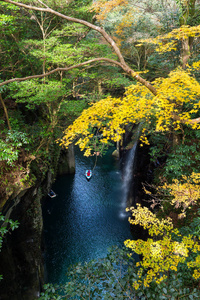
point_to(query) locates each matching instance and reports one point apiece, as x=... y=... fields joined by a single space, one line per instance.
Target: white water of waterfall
x=127 y=179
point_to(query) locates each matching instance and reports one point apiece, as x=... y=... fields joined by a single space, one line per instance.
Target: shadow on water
x=83 y=221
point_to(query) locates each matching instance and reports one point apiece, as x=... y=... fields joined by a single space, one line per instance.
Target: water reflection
x=84 y=218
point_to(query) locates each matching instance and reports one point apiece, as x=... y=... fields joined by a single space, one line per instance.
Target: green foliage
x=34 y=94
x=182 y=160
x=194 y=227
x=160 y=145
x=13 y=27
x=9 y=149
x=7 y=21
x=106 y=278
x=7 y=153
x=79 y=9
x=56 y=44
x=161 y=65
x=6 y=226
x=112 y=278
x=72 y=108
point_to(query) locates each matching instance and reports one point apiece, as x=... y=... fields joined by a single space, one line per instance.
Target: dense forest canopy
x=92 y=69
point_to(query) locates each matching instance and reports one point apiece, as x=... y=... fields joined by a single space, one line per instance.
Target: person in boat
x=88 y=173
x=51 y=193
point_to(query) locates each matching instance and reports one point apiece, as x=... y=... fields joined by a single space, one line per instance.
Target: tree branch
x=122 y=64
x=192 y=121
x=62 y=69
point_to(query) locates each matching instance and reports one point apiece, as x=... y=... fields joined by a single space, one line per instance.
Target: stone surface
x=21 y=256
x=66 y=164
x=116 y=154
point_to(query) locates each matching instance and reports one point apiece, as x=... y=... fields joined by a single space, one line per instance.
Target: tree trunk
x=6 y=112
x=185 y=52
x=100 y=88
x=188 y=10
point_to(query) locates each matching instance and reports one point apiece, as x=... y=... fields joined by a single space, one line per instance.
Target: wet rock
x=66 y=164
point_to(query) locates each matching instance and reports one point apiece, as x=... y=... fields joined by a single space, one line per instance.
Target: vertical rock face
x=21 y=256
x=66 y=163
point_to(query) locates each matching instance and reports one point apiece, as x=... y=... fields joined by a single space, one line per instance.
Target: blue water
x=85 y=219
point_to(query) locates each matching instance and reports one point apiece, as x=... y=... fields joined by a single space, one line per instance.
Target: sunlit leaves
x=177 y=100
x=168 y=250
x=178 y=95
x=34 y=93
x=9 y=149
x=169 y=41
x=5 y=20
x=131 y=20
x=60 y=47
x=185 y=193
x=163 y=254
x=144 y=217
x=96 y=117
x=103 y=7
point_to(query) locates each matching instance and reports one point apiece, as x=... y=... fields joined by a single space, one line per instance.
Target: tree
x=175 y=104
x=163 y=254
x=121 y=62
x=187 y=9
x=129 y=21
x=168 y=106
x=161 y=16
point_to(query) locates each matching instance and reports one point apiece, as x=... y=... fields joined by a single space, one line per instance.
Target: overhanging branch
x=122 y=64
x=62 y=69
x=106 y=36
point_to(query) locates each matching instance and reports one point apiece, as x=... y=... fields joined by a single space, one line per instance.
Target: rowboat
x=88 y=174
x=52 y=194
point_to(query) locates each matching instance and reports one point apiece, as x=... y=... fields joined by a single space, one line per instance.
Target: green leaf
x=165 y=290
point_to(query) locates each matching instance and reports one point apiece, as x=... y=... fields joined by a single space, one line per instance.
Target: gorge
x=79 y=224
x=86 y=218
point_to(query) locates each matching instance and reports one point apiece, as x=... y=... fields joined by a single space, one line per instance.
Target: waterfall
x=127 y=179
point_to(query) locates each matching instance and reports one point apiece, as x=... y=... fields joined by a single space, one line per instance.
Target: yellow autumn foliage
x=184 y=193
x=168 y=42
x=163 y=254
x=103 y=7
x=176 y=102
x=144 y=217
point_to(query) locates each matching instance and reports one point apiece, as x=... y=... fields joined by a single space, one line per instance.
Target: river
x=86 y=218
